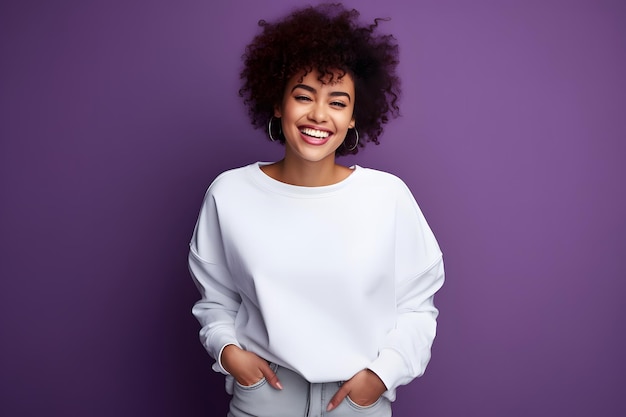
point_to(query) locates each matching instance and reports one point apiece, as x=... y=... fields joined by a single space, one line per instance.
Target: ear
x=352 y=124
x=277 y=111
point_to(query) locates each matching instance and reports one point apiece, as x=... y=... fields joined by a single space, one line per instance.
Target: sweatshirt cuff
x=390 y=368
x=217 y=366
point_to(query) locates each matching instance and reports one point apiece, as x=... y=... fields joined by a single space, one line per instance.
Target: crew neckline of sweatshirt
x=276 y=186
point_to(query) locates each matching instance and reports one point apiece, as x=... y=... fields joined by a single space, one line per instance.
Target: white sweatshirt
x=325 y=281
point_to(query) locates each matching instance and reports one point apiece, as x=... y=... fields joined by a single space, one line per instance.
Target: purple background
x=116 y=115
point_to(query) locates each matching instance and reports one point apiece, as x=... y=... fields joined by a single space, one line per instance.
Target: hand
x=247 y=368
x=364 y=388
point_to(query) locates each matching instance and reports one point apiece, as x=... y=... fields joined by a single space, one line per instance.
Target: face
x=316 y=116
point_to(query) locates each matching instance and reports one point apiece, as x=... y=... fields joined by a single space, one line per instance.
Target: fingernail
x=279 y=385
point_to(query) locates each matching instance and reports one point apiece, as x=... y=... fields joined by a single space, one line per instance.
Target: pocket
x=258 y=399
x=259 y=383
x=362 y=407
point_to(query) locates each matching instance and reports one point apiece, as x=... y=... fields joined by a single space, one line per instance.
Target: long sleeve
x=419 y=272
x=219 y=302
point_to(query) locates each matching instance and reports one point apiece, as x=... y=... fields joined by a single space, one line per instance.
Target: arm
x=419 y=274
x=219 y=303
x=217 y=308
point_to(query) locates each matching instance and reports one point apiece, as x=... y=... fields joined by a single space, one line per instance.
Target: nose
x=318 y=112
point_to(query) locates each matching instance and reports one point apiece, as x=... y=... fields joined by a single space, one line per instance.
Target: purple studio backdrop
x=116 y=115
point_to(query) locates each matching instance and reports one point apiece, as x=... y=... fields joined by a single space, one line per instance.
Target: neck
x=307 y=173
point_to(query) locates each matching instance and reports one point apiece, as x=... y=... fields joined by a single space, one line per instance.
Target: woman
x=317 y=280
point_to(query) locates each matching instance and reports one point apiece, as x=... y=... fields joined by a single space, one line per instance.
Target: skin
x=310 y=161
x=327 y=107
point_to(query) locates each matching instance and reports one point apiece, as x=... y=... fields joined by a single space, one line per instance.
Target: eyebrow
x=314 y=91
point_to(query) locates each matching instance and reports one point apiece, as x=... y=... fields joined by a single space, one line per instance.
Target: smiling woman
x=306 y=310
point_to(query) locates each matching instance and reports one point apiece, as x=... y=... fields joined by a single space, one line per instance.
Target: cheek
x=348 y=121
x=289 y=113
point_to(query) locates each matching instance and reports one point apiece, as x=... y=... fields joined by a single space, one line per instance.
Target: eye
x=338 y=104
x=302 y=98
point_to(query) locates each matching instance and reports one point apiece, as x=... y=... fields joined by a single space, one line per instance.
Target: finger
x=271 y=377
x=338 y=397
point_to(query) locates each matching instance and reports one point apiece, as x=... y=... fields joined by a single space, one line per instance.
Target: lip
x=312 y=140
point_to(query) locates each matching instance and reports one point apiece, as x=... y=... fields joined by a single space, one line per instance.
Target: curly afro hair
x=326 y=38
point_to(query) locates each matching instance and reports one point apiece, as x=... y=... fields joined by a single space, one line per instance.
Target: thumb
x=271 y=377
x=339 y=396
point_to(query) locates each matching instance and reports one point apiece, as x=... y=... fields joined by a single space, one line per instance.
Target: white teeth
x=315 y=133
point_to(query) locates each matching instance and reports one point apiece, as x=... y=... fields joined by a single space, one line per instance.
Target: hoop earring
x=269 y=128
x=356 y=143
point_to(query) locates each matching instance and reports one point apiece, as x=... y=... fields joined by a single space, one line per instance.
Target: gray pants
x=298 y=398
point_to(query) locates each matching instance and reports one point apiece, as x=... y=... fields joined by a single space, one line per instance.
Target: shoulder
x=387 y=186
x=374 y=177
x=231 y=179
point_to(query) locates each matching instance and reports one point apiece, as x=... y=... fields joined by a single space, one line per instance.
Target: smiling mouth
x=314 y=133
